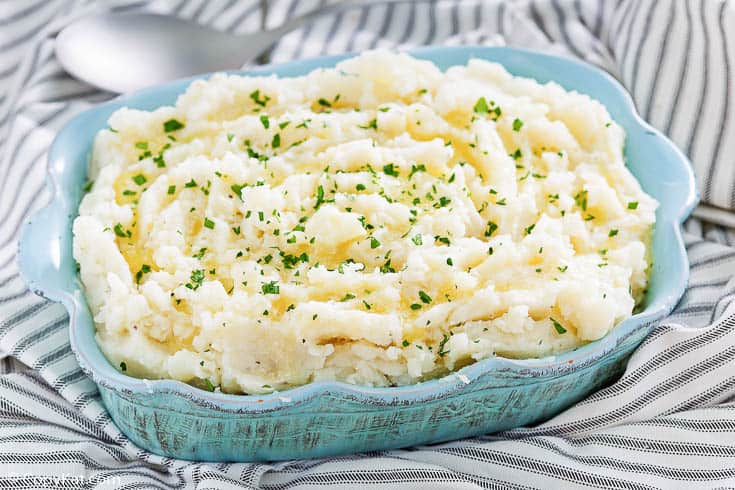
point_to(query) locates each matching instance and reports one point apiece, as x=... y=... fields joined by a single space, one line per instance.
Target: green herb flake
x=443 y=343
x=558 y=326
x=612 y=233
x=271 y=287
x=171 y=189
x=265 y=121
x=374 y=243
x=208 y=223
x=517 y=124
x=373 y=124
x=390 y=169
x=261 y=101
x=425 y=298
x=139 y=179
x=118 y=229
x=319 y=197
x=123 y=366
x=144 y=269
x=417 y=239
x=491 y=228
x=481 y=106
x=172 y=125
x=633 y=205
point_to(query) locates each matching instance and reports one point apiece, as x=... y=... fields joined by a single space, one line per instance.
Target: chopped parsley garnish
x=144 y=269
x=373 y=124
x=558 y=326
x=139 y=179
x=208 y=384
x=425 y=298
x=197 y=277
x=405 y=343
x=265 y=121
x=443 y=201
x=123 y=366
x=191 y=183
x=172 y=125
x=450 y=262
x=491 y=228
x=417 y=239
x=360 y=187
x=633 y=205
x=118 y=229
x=563 y=268
x=581 y=200
x=347 y=297
x=390 y=169
x=374 y=243
x=529 y=229
x=612 y=233
x=88 y=186
x=171 y=189
x=517 y=124
x=200 y=253
x=276 y=142
x=417 y=168
x=208 y=223
x=324 y=102
x=481 y=106
x=237 y=189
x=415 y=306
x=516 y=154
x=319 y=197
x=236 y=230
x=501 y=202
x=443 y=342
x=255 y=96
x=271 y=287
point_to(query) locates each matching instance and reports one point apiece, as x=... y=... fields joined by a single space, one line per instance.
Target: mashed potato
x=378 y=223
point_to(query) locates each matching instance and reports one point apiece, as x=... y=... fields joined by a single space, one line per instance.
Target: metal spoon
x=124 y=52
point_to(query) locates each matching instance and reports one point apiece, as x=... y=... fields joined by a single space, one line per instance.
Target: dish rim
x=536 y=368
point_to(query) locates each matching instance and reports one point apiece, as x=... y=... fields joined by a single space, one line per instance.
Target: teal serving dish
x=327 y=418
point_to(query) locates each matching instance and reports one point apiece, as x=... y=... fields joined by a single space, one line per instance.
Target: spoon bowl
x=123 y=52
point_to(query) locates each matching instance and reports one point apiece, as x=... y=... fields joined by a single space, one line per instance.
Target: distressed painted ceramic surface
x=325 y=418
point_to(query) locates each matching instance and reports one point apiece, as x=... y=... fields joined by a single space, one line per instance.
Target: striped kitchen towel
x=668 y=423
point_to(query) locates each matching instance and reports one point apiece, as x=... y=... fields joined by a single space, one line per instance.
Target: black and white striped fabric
x=668 y=423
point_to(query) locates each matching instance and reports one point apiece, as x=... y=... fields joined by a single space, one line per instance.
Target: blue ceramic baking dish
x=327 y=418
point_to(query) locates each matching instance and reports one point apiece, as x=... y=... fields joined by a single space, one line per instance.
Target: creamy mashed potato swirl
x=378 y=223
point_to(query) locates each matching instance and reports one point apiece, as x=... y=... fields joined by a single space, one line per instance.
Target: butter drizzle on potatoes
x=379 y=223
